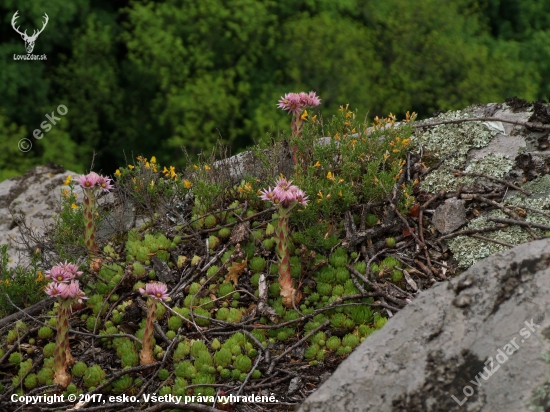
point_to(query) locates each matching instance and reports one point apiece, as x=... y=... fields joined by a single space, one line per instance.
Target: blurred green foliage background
x=150 y=77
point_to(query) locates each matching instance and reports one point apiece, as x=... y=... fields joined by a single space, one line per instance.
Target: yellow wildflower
x=304 y=115
x=187 y=184
x=117 y=173
x=173 y=173
x=317 y=164
x=39 y=276
x=330 y=176
x=153 y=159
x=130 y=166
x=337 y=136
x=206 y=167
x=348 y=115
x=166 y=171
x=152 y=184
x=74 y=206
x=65 y=192
x=340 y=193
x=314 y=119
x=155 y=168
x=68 y=180
x=147 y=165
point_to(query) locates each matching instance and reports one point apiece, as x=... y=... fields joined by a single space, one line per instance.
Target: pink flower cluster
x=295 y=103
x=156 y=290
x=284 y=194
x=92 y=180
x=63 y=282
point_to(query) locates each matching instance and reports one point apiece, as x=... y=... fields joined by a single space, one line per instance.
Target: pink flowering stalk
x=285 y=196
x=91 y=183
x=296 y=103
x=154 y=291
x=67 y=290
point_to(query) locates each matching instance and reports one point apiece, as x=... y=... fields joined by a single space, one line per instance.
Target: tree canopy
x=150 y=77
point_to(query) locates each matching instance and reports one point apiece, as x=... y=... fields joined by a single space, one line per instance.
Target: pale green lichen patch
x=539 y=200
x=496 y=165
x=439 y=141
x=468 y=250
x=444 y=139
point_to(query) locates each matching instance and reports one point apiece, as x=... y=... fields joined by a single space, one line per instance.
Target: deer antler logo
x=29 y=40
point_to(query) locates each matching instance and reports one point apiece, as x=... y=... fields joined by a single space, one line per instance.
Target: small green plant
x=350 y=340
x=93 y=376
x=49 y=350
x=79 y=369
x=15 y=358
x=243 y=363
x=333 y=343
x=163 y=374
x=185 y=370
x=121 y=384
x=23 y=286
x=257 y=264
x=311 y=351
x=223 y=357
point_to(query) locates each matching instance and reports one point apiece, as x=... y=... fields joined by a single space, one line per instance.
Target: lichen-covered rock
x=34 y=197
x=480 y=342
x=497 y=149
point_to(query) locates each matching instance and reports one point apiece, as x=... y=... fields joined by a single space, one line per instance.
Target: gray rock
x=31 y=202
x=34 y=197
x=449 y=216
x=482 y=338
